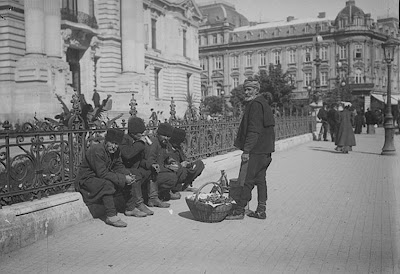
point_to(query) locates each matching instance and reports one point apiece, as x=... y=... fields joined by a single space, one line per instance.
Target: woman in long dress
x=345 y=139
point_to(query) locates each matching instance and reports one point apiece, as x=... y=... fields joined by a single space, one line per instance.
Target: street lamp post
x=223 y=102
x=388 y=147
x=318 y=39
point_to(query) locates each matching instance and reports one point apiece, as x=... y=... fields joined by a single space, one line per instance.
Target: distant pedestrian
x=333 y=121
x=96 y=98
x=153 y=117
x=370 y=120
x=323 y=116
x=345 y=139
x=256 y=138
x=359 y=122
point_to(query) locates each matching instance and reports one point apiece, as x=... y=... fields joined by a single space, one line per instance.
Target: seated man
x=102 y=172
x=157 y=160
x=188 y=171
x=132 y=153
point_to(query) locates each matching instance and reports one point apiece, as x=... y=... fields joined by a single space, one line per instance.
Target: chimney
x=289 y=18
x=321 y=15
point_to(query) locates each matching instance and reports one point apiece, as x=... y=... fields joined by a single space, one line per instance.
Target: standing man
x=96 y=98
x=333 y=121
x=256 y=138
x=101 y=173
x=132 y=153
x=323 y=116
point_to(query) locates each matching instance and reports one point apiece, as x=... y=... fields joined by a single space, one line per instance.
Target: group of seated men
x=145 y=170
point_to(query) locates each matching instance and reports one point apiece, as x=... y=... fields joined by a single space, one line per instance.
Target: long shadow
x=338 y=152
x=187 y=215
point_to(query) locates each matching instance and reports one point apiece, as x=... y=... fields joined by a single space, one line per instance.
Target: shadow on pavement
x=325 y=150
x=187 y=215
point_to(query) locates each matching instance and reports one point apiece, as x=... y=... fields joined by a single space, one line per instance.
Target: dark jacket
x=322 y=115
x=156 y=154
x=332 y=117
x=97 y=169
x=132 y=152
x=256 y=132
x=345 y=135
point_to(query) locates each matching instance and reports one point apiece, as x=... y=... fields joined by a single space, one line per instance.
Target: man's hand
x=245 y=157
x=156 y=167
x=185 y=163
x=130 y=179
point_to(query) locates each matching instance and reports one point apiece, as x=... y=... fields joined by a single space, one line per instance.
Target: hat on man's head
x=251 y=82
x=178 y=136
x=165 y=129
x=114 y=135
x=135 y=125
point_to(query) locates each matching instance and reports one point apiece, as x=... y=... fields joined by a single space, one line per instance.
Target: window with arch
x=307 y=55
x=218 y=62
x=263 y=59
x=249 y=60
x=219 y=89
x=277 y=57
x=307 y=79
x=358 y=76
x=292 y=56
x=324 y=53
x=358 y=51
x=343 y=52
x=307 y=28
x=324 y=78
x=235 y=82
x=235 y=61
x=204 y=91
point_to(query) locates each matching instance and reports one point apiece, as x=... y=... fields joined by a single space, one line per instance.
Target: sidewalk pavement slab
x=328 y=212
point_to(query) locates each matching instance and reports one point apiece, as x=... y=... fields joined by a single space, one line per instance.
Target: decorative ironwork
x=133 y=105
x=37 y=160
x=78 y=17
x=172 y=118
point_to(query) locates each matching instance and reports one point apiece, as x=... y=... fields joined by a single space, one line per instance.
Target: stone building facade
x=118 y=47
x=350 y=54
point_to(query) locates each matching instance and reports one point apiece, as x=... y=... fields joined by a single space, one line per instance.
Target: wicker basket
x=206 y=213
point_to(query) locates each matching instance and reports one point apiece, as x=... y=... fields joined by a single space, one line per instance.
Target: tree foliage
x=213 y=104
x=237 y=99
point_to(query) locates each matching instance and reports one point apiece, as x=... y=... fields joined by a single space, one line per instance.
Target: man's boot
x=135 y=213
x=237 y=213
x=142 y=207
x=259 y=213
x=154 y=201
x=115 y=221
x=174 y=195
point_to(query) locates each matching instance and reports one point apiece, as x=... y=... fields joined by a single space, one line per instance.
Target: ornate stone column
x=52 y=28
x=128 y=35
x=34 y=26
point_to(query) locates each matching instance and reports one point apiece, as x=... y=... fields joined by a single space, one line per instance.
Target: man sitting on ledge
x=101 y=173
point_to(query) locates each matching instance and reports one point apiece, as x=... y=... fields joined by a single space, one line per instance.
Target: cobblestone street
x=327 y=212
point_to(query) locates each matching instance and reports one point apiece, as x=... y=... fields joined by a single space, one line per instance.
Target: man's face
x=163 y=139
x=111 y=147
x=136 y=136
x=250 y=93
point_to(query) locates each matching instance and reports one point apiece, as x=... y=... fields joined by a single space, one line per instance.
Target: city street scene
x=197 y=136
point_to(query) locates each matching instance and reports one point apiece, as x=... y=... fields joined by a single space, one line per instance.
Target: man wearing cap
x=163 y=169
x=188 y=171
x=132 y=153
x=101 y=173
x=256 y=138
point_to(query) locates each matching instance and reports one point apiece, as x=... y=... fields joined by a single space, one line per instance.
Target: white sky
x=274 y=10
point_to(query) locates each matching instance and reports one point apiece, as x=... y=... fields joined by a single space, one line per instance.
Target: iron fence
x=40 y=159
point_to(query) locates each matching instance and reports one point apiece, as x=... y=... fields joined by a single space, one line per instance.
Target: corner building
x=351 y=54
x=120 y=47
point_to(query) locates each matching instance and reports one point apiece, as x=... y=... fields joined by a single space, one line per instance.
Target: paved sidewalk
x=327 y=213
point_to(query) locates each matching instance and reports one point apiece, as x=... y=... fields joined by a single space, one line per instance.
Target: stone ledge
x=25 y=223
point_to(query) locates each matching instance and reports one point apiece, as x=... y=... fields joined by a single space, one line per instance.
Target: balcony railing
x=38 y=160
x=78 y=17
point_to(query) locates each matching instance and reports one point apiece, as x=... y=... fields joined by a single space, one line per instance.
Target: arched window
x=358 y=76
